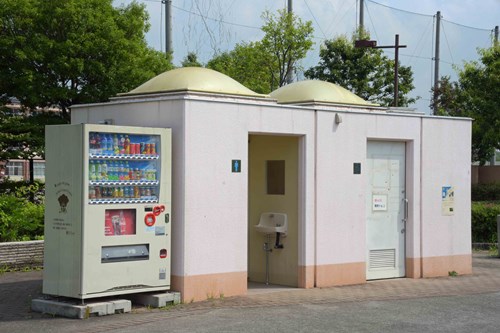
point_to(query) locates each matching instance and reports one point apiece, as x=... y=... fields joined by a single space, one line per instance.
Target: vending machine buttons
x=149 y=219
x=157 y=210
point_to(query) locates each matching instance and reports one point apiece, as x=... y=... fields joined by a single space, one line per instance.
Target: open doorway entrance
x=273 y=187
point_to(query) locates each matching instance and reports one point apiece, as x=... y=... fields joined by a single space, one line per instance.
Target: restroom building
x=369 y=192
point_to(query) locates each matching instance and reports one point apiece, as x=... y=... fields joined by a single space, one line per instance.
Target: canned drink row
x=122 y=192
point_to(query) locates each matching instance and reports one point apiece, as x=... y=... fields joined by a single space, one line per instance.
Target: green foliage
x=445 y=101
x=475 y=95
x=480 y=96
x=485 y=192
x=20 y=219
x=367 y=72
x=484 y=225
x=287 y=39
x=23 y=136
x=191 y=60
x=247 y=64
x=59 y=53
x=265 y=65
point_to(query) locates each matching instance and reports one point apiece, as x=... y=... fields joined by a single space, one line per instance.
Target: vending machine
x=107 y=210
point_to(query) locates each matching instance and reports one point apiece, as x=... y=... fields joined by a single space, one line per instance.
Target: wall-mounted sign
x=379 y=202
x=356 y=168
x=236 y=166
x=447 y=200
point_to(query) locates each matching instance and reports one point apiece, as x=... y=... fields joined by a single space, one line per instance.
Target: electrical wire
x=314 y=17
x=417 y=47
x=466 y=26
x=400 y=10
x=211 y=18
x=373 y=25
x=447 y=43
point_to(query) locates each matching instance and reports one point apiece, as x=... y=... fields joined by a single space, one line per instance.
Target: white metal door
x=386 y=208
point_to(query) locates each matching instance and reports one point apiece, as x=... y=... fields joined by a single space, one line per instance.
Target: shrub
x=485 y=192
x=484 y=221
x=34 y=192
x=21 y=219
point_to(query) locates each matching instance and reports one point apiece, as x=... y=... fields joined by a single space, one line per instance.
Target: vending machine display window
x=123 y=168
x=119 y=222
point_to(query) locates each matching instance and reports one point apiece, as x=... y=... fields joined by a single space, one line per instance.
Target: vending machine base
x=79 y=309
x=70 y=308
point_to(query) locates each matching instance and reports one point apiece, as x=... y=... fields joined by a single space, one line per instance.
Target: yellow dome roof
x=193 y=79
x=316 y=91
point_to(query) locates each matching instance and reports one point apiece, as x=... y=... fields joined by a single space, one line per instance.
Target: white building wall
x=341 y=195
x=446 y=240
x=216 y=200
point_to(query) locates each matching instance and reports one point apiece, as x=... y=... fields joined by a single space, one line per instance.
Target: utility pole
x=436 y=59
x=373 y=44
x=168 y=27
x=361 y=15
x=496 y=36
x=289 y=78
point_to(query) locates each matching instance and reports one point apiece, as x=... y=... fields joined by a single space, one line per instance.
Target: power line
x=211 y=18
x=310 y=11
x=447 y=43
x=373 y=25
x=466 y=26
x=400 y=10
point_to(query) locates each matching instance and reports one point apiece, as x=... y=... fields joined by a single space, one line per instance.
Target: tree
x=59 y=53
x=247 y=63
x=475 y=95
x=191 y=60
x=23 y=136
x=367 y=72
x=445 y=99
x=287 y=39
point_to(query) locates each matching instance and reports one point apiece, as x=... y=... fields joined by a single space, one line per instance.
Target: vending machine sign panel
x=119 y=222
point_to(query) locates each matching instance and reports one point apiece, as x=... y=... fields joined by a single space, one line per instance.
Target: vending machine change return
x=107 y=210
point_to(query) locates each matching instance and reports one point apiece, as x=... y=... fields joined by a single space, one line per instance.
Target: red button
x=149 y=219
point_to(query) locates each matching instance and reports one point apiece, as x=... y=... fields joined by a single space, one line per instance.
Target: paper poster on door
x=447 y=200
x=379 y=202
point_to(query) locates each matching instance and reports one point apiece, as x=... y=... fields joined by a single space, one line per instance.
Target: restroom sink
x=271 y=223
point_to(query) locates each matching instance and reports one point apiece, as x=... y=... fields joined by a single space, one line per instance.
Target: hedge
x=484 y=221
x=485 y=192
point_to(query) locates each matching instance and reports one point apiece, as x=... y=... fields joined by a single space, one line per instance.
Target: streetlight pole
x=373 y=44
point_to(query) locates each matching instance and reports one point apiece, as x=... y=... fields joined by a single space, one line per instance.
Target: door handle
x=405 y=201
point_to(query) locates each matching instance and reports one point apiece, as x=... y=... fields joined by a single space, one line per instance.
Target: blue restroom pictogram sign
x=236 y=165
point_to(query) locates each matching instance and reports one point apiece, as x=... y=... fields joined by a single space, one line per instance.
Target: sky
x=208 y=27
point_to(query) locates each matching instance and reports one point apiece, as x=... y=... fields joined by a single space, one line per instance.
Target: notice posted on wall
x=119 y=222
x=447 y=200
x=379 y=203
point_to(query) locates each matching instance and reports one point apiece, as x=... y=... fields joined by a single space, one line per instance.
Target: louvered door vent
x=382 y=258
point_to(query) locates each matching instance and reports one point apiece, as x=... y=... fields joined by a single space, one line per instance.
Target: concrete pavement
x=483 y=286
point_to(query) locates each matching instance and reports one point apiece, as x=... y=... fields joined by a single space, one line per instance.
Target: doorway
x=386 y=207
x=273 y=187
